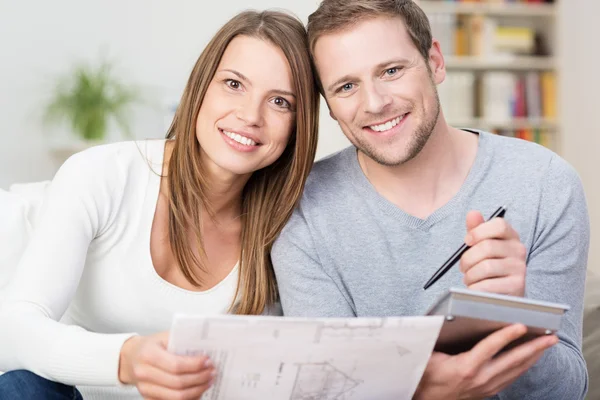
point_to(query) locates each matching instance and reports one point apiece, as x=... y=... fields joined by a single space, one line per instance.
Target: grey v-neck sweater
x=347 y=251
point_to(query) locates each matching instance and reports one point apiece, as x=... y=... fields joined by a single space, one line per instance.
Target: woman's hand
x=158 y=374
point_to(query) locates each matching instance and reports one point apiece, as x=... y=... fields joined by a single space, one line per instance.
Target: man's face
x=380 y=89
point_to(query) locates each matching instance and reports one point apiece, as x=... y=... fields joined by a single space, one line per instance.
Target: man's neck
x=431 y=179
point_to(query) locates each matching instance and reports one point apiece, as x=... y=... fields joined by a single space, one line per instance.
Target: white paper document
x=309 y=359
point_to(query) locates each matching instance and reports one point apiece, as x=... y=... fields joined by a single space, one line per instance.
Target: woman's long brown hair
x=271 y=193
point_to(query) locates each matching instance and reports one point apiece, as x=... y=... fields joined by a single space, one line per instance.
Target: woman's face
x=248 y=112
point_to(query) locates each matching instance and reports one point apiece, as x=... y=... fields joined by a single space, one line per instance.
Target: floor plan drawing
x=347 y=331
x=322 y=381
x=402 y=351
x=271 y=357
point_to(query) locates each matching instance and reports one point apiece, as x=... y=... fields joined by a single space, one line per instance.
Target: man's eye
x=391 y=71
x=347 y=87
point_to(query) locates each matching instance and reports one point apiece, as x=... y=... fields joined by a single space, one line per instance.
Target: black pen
x=458 y=254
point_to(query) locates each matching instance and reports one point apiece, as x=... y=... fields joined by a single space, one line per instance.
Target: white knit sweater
x=86 y=282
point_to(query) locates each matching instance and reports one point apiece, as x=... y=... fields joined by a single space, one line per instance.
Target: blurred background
x=77 y=73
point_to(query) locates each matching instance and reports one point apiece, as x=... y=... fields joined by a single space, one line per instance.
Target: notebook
x=471 y=316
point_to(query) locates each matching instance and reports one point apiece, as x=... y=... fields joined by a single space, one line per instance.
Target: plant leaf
x=88 y=98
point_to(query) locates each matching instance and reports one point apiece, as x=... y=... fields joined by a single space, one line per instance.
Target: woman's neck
x=223 y=189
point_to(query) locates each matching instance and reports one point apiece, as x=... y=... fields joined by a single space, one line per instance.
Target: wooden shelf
x=516 y=123
x=512 y=63
x=497 y=9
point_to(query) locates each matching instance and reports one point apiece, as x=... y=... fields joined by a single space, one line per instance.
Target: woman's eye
x=281 y=102
x=391 y=71
x=232 y=83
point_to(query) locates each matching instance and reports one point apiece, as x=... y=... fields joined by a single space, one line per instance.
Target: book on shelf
x=491 y=1
x=519 y=105
x=499 y=96
x=536 y=135
x=483 y=36
x=548 y=90
x=457 y=96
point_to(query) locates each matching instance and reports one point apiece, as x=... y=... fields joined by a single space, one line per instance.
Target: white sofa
x=19 y=207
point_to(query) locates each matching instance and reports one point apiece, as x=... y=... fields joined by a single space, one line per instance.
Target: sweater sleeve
x=556 y=270
x=79 y=204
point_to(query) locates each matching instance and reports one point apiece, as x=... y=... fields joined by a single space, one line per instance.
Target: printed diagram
x=346 y=332
x=321 y=381
x=402 y=351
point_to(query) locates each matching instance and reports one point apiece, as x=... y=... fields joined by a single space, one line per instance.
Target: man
x=378 y=219
x=591 y=333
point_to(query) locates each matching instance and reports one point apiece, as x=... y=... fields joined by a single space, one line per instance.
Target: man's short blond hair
x=338 y=15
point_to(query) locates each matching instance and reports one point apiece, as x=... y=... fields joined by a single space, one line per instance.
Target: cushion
x=19 y=208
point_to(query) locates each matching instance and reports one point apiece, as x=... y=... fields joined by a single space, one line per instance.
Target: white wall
x=155 y=43
x=580 y=104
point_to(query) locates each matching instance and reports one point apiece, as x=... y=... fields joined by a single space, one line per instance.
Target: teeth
x=387 y=126
x=240 y=139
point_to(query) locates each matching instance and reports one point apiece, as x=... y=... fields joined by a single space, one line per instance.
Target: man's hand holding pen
x=496 y=260
x=492 y=259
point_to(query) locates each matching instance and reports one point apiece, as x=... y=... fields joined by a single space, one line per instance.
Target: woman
x=131 y=233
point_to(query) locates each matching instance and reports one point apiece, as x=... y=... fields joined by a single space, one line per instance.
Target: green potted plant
x=89 y=98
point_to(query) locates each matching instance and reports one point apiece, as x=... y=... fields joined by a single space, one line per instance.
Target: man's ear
x=436 y=62
x=331 y=114
x=329 y=108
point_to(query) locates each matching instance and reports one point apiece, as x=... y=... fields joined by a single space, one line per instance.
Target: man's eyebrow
x=347 y=78
x=343 y=79
x=395 y=61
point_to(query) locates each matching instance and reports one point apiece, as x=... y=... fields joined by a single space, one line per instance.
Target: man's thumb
x=474 y=219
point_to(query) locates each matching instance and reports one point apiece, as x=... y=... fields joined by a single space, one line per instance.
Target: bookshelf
x=501 y=62
x=515 y=123
x=515 y=63
x=495 y=8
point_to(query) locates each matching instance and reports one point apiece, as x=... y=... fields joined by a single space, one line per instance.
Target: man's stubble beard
x=415 y=145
